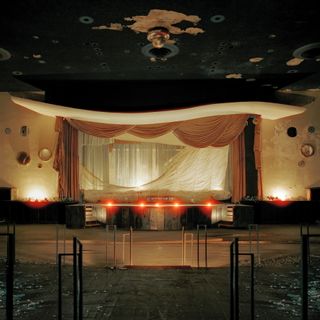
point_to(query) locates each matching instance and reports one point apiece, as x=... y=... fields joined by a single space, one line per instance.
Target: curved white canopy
x=271 y=111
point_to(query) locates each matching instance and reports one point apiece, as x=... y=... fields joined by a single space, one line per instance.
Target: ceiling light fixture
x=158 y=36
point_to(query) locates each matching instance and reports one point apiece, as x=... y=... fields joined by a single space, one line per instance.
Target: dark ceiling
x=248 y=51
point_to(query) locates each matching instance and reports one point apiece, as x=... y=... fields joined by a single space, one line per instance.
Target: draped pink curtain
x=66 y=160
x=238 y=168
x=216 y=131
x=257 y=154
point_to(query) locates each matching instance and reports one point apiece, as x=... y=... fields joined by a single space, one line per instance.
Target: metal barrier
x=305 y=261
x=255 y=227
x=9 y=272
x=184 y=240
x=114 y=228
x=205 y=245
x=58 y=242
x=77 y=255
x=130 y=235
x=234 y=281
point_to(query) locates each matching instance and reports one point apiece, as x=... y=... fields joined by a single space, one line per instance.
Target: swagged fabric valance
x=215 y=131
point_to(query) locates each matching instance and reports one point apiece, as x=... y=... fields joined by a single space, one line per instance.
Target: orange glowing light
x=209 y=204
x=157 y=204
x=142 y=204
x=109 y=204
x=176 y=204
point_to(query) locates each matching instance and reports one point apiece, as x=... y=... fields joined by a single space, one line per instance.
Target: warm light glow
x=141 y=204
x=36 y=194
x=157 y=204
x=280 y=194
x=209 y=204
x=176 y=204
x=109 y=204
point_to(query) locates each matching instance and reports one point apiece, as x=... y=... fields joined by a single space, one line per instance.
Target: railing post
x=198 y=247
x=114 y=246
x=183 y=246
x=10 y=275
x=232 y=281
x=252 y=286
x=131 y=243
x=59 y=287
x=304 y=271
x=80 y=264
x=107 y=229
x=236 y=277
x=206 y=246
x=75 y=280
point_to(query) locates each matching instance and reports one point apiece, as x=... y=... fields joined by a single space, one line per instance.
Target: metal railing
x=114 y=228
x=234 y=281
x=305 y=261
x=77 y=255
x=184 y=240
x=9 y=271
x=205 y=245
x=124 y=236
x=254 y=227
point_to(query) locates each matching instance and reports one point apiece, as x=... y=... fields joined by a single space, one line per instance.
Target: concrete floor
x=153 y=293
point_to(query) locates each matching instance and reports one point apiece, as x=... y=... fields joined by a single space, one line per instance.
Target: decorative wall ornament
x=307 y=150
x=23 y=158
x=45 y=154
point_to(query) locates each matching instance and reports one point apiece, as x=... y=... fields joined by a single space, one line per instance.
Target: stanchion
x=131 y=246
x=234 y=281
x=9 y=272
x=183 y=247
x=191 y=245
x=205 y=245
x=77 y=255
x=114 y=247
x=256 y=228
x=114 y=228
x=123 y=245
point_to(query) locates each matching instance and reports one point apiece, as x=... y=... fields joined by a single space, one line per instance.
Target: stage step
x=91 y=220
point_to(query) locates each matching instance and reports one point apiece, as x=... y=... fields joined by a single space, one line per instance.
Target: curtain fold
x=216 y=131
x=66 y=160
x=239 y=168
x=257 y=154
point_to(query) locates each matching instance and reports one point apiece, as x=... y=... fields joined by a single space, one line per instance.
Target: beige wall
x=281 y=154
x=28 y=178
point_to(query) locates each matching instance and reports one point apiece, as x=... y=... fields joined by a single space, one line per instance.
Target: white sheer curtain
x=135 y=164
x=195 y=170
x=93 y=161
x=104 y=162
x=148 y=167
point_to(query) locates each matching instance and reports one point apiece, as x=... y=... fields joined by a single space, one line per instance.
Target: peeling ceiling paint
x=294 y=62
x=157 y=18
x=234 y=76
x=256 y=59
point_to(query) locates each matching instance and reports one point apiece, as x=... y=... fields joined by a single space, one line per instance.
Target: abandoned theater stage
x=159 y=170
